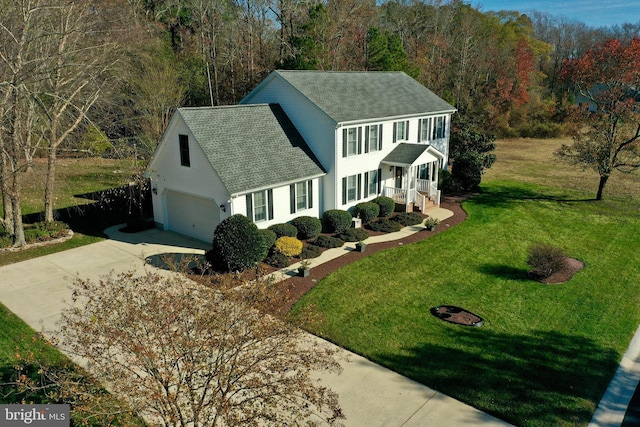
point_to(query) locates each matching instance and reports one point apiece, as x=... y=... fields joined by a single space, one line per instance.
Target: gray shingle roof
x=349 y=96
x=405 y=154
x=251 y=146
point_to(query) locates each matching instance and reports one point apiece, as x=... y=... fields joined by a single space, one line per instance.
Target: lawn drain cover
x=457 y=315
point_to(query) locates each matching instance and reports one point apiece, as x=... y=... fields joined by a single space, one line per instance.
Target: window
x=184 y=150
x=401 y=131
x=351 y=141
x=425 y=129
x=260 y=205
x=351 y=188
x=373 y=138
x=439 y=127
x=423 y=171
x=372 y=182
x=301 y=196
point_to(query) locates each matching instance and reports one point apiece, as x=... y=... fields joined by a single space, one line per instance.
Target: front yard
x=546 y=352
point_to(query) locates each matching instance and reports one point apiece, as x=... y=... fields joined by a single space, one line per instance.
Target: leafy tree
x=308 y=44
x=385 y=53
x=470 y=152
x=606 y=121
x=183 y=354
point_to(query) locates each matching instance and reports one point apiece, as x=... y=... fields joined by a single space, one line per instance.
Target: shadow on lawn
x=544 y=378
x=504 y=195
x=508 y=272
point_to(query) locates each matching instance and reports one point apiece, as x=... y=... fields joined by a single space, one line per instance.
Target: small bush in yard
x=384 y=225
x=336 y=221
x=277 y=260
x=366 y=211
x=288 y=246
x=545 y=259
x=408 y=218
x=269 y=237
x=237 y=245
x=328 y=242
x=310 y=251
x=284 y=230
x=308 y=227
x=353 y=235
x=387 y=206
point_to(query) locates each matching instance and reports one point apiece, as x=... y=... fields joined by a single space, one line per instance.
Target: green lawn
x=546 y=352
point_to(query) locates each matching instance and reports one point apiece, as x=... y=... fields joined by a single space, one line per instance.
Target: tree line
x=105 y=76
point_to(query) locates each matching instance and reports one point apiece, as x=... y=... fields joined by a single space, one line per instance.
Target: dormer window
x=184 y=150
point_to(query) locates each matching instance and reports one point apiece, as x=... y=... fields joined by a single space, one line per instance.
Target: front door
x=399 y=175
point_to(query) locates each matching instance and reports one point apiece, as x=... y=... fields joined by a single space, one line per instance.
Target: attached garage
x=192 y=216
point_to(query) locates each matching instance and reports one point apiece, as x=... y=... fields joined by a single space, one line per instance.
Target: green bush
x=328 y=242
x=43 y=231
x=366 y=211
x=353 y=235
x=310 y=251
x=277 y=260
x=384 y=225
x=386 y=204
x=269 y=237
x=336 y=221
x=408 y=218
x=281 y=230
x=545 y=259
x=288 y=246
x=237 y=245
x=467 y=171
x=308 y=227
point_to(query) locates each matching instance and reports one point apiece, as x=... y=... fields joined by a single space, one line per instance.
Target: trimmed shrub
x=366 y=211
x=336 y=221
x=277 y=260
x=353 y=235
x=288 y=246
x=308 y=227
x=328 y=242
x=237 y=245
x=269 y=237
x=408 y=218
x=467 y=171
x=545 y=259
x=310 y=251
x=386 y=204
x=385 y=226
x=284 y=230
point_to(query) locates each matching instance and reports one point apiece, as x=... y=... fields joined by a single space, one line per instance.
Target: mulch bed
x=570 y=267
x=297 y=286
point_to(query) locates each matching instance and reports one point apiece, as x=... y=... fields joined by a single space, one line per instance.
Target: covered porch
x=413 y=181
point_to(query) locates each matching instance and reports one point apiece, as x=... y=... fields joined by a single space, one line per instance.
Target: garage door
x=192 y=216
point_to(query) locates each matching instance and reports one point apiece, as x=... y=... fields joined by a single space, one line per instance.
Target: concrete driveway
x=370 y=395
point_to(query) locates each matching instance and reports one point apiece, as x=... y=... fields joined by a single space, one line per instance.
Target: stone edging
x=62 y=239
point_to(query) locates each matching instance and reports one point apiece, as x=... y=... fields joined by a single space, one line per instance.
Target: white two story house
x=301 y=143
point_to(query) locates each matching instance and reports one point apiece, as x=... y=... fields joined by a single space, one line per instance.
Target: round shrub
x=545 y=259
x=385 y=226
x=353 y=235
x=269 y=237
x=277 y=260
x=288 y=246
x=366 y=211
x=386 y=204
x=407 y=218
x=310 y=251
x=336 y=221
x=308 y=227
x=328 y=242
x=284 y=230
x=237 y=245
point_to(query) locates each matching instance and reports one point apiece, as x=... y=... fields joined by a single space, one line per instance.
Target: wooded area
x=104 y=76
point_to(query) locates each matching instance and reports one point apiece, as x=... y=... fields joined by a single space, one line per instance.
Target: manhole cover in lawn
x=457 y=315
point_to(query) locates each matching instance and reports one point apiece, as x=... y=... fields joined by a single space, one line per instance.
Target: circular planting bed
x=457 y=315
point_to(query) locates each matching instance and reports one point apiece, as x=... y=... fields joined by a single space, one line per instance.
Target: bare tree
x=184 y=354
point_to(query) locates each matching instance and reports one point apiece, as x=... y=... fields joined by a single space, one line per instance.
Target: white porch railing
x=398 y=195
x=428 y=186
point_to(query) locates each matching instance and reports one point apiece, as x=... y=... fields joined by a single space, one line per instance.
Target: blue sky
x=594 y=13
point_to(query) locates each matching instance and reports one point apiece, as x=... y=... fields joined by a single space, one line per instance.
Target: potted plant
x=431 y=223
x=361 y=246
x=305 y=268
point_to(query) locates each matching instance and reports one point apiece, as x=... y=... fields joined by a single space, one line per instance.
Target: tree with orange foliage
x=606 y=119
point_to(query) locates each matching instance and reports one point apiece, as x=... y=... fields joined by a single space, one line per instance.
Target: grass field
x=546 y=352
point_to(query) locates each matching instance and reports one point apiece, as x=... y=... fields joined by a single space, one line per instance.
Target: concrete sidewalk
x=38 y=290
